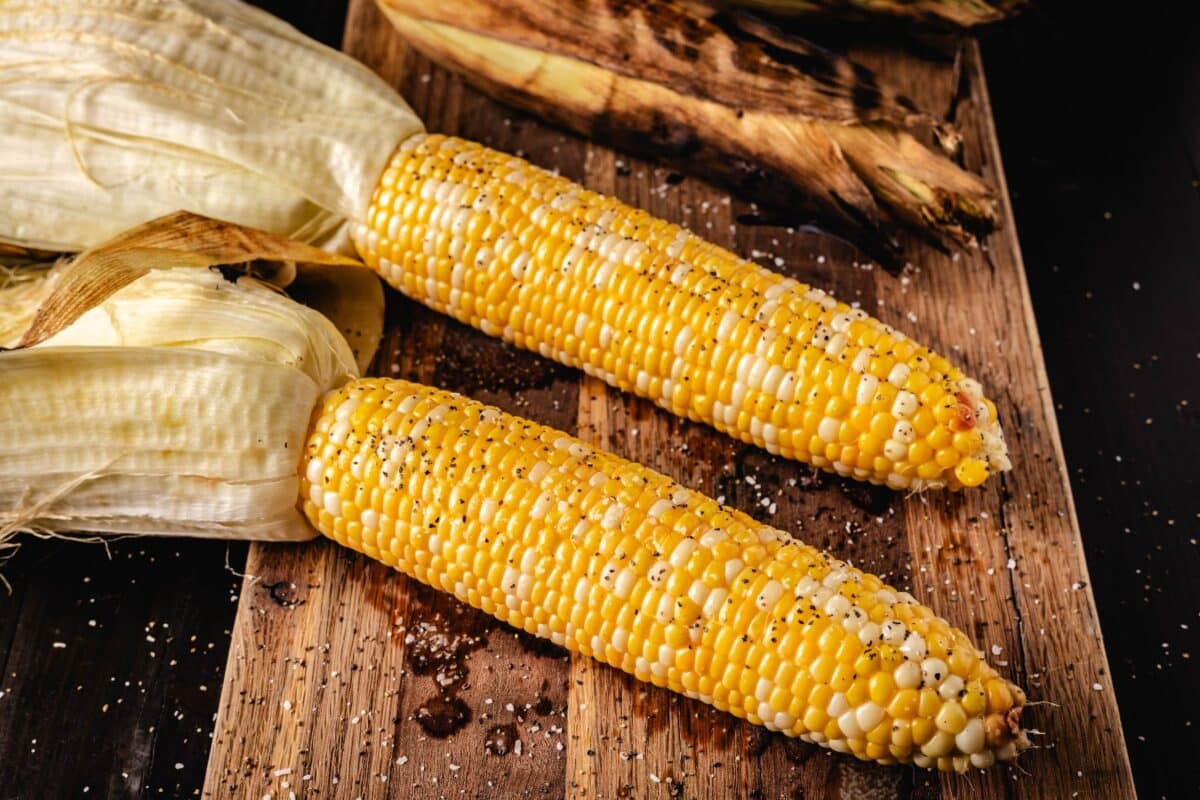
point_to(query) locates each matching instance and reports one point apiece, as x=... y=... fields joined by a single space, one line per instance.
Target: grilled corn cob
x=486 y=237
x=612 y=560
x=653 y=309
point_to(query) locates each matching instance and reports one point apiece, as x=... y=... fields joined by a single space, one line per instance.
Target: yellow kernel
x=999 y=696
x=971 y=472
x=905 y=704
x=951 y=718
x=882 y=687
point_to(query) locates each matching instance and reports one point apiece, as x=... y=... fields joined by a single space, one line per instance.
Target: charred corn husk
x=177 y=404
x=653 y=309
x=486 y=237
x=736 y=99
x=612 y=560
x=956 y=13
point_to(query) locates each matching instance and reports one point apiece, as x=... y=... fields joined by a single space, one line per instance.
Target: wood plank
x=1004 y=562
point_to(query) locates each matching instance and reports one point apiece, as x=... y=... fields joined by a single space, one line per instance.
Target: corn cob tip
x=975 y=417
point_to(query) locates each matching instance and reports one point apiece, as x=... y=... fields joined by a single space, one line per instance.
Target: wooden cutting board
x=346 y=679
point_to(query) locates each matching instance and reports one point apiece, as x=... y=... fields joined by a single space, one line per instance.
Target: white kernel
x=770 y=434
x=623 y=585
x=659 y=508
x=769 y=596
x=346 y=408
x=778 y=289
x=683 y=339
x=698 y=592
x=951 y=687
x=508 y=584
x=838 y=705
x=868 y=632
x=914 y=647
x=934 y=671
x=712 y=606
x=666 y=609
x=970 y=739
x=828 y=429
x=867 y=386
x=848 y=722
x=613 y=516
x=787 y=388
x=894 y=450
x=339 y=431
x=971 y=387
x=757 y=372
x=487 y=510
x=666 y=655
x=733 y=568
x=682 y=552
x=983 y=760
x=333 y=503
x=907 y=675
x=314 y=471
x=370 y=519
x=837 y=606
x=904 y=433
x=869 y=715
x=836 y=345
x=539 y=471
x=770 y=381
x=712 y=537
x=905 y=405
x=582 y=589
x=784 y=721
x=898 y=375
x=862 y=361
x=762 y=690
x=728 y=323
x=544 y=501
x=525 y=587
x=658 y=573
x=620 y=640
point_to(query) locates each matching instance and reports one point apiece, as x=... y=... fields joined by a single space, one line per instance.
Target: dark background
x=110 y=669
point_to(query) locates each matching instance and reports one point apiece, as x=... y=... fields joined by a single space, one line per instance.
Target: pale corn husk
x=114 y=114
x=178 y=402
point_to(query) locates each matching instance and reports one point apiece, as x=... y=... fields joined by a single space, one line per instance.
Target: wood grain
x=1004 y=562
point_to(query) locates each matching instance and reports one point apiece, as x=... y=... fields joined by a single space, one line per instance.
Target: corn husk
x=737 y=100
x=114 y=114
x=175 y=398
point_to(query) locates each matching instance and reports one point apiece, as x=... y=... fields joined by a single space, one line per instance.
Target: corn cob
x=612 y=560
x=653 y=309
